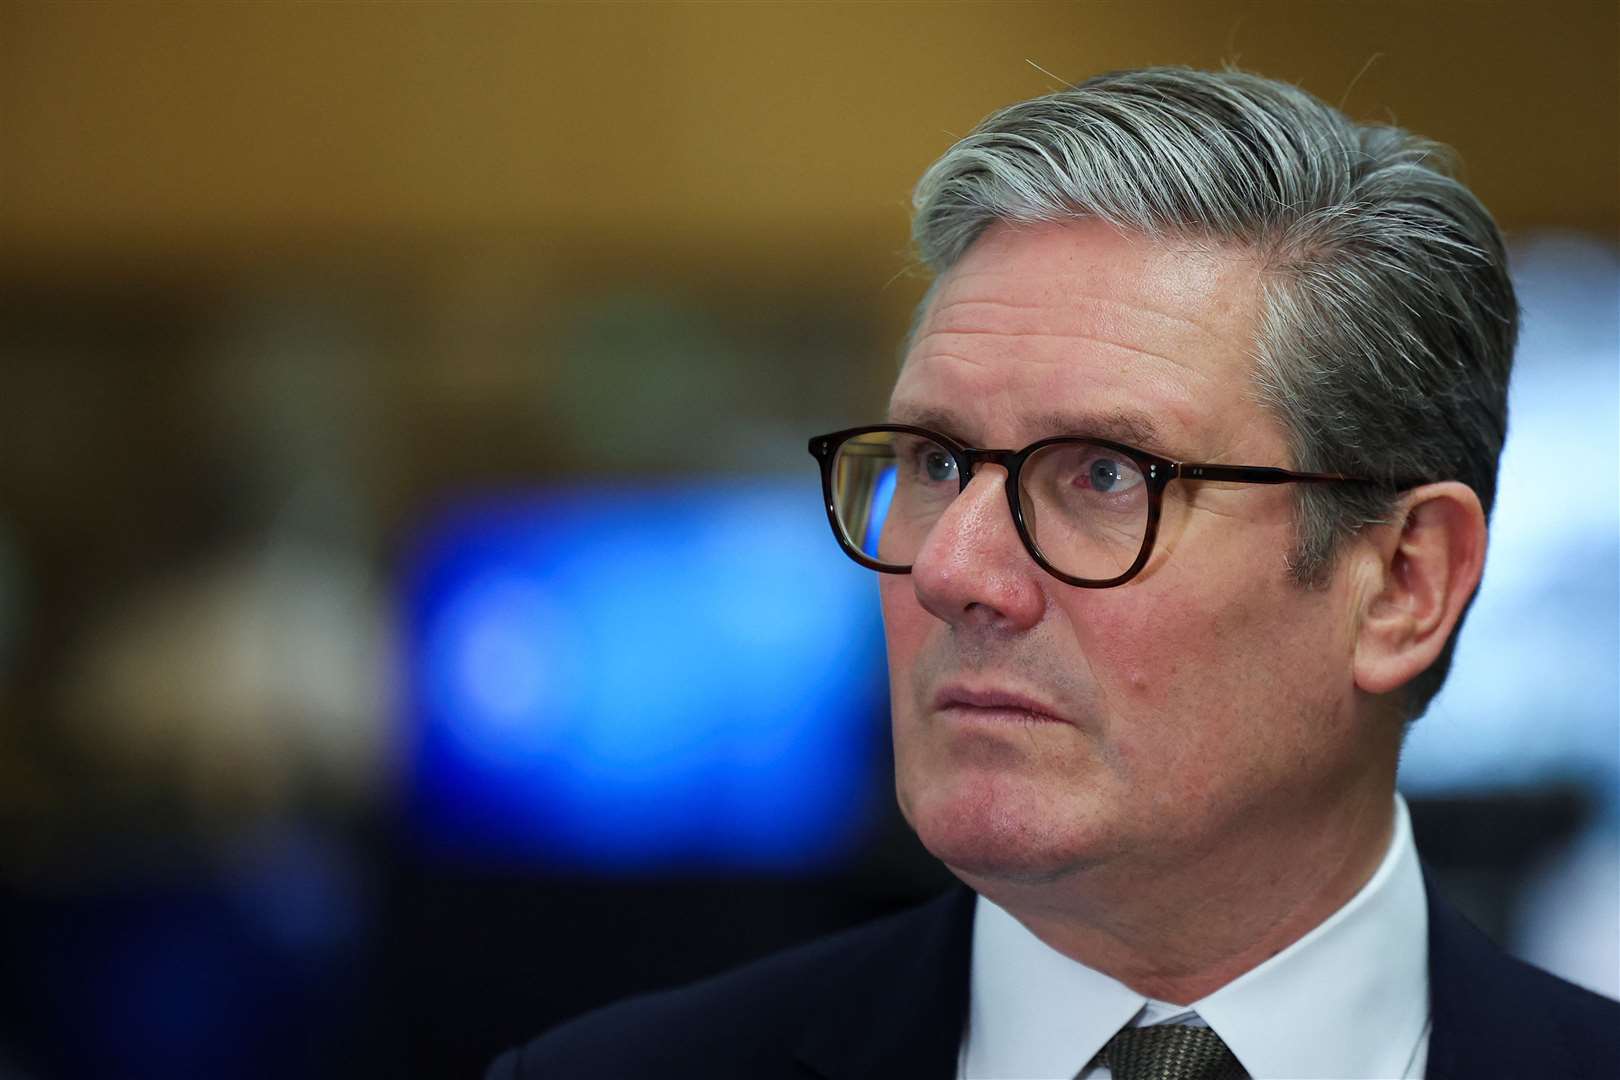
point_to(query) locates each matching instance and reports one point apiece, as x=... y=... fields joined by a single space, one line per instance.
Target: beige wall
x=202 y=130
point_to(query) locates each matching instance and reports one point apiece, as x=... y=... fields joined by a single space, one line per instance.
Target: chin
x=999 y=831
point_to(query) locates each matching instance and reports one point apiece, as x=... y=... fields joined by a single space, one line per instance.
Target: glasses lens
x=889 y=487
x=1086 y=508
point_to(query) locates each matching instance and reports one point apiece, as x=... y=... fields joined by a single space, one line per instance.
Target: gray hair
x=1388 y=320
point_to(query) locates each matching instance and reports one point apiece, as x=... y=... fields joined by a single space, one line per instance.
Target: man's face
x=1041 y=728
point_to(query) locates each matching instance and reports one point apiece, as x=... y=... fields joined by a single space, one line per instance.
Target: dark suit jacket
x=888 y=1000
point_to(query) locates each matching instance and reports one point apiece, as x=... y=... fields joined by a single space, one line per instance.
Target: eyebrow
x=1118 y=425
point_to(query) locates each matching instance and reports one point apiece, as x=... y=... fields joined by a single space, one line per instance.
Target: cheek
x=1198 y=664
x=904 y=631
x=906 y=627
x=1192 y=719
x=903 y=617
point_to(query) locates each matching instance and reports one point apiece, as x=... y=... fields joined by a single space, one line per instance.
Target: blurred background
x=417 y=619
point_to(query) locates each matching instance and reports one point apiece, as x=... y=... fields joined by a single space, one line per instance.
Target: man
x=1150 y=673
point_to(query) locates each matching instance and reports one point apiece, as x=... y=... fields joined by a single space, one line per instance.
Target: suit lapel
x=897 y=1009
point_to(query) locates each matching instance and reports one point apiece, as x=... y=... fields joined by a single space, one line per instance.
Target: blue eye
x=1108 y=474
x=939 y=466
x=1104 y=474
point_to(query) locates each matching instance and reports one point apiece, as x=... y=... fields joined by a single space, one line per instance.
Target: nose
x=973 y=569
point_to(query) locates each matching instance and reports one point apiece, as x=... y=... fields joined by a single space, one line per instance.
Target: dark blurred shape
x=13 y=602
x=1565 y=919
x=252 y=966
x=1482 y=847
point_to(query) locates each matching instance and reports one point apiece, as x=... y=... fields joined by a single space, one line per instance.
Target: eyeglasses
x=1086 y=509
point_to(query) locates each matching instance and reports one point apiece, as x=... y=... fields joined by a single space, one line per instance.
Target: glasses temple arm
x=1259 y=474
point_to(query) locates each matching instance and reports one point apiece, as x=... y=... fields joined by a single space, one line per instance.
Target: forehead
x=1080 y=327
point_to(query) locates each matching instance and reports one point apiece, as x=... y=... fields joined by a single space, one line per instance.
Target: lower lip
x=976 y=714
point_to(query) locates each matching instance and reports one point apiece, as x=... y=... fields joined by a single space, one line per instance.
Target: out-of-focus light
x=663 y=677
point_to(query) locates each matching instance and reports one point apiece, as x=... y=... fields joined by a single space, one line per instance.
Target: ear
x=1430 y=561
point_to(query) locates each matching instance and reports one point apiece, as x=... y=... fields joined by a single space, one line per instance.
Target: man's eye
x=1108 y=475
x=938 y=466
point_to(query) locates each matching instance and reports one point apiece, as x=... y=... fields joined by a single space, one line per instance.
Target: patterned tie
x=1170 y=1052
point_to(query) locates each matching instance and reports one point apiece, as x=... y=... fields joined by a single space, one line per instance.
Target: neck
x=1180 y=930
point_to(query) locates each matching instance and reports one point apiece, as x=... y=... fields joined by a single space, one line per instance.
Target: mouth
x=995 y=706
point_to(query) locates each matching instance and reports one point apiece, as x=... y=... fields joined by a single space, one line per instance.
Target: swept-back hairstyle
x=1388 y=319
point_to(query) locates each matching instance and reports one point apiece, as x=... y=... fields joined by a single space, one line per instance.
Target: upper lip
x=994 y=699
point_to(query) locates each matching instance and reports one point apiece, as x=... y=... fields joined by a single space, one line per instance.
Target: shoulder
x=1581 y=1029
x=1495 y=1015
x=740 y=1022
x=1562 y=1029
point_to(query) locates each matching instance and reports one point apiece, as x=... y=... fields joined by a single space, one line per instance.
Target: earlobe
x=1430 y=562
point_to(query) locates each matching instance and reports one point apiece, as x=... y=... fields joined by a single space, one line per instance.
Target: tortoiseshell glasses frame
x=1156 y=472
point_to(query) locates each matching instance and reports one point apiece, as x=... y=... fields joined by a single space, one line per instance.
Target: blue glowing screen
x=675 y=676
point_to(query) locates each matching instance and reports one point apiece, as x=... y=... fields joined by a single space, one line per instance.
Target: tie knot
x=1170 y=1052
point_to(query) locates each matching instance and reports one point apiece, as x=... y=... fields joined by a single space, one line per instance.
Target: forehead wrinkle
x=1175 y=397
x=971 y=362
x=1080 y=324
x=1120 y=345
x=1054 y=298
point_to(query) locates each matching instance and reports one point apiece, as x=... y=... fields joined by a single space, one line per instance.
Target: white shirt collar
x=1349 y=999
